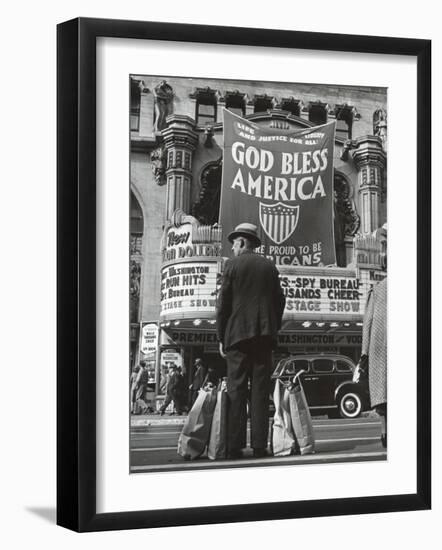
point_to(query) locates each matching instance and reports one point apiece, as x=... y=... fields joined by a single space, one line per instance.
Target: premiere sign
x=282 y=181
x=314 y=296
x=189 y=289
x=291 y=339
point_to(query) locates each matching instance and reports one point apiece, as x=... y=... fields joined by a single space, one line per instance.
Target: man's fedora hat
x=248 y=230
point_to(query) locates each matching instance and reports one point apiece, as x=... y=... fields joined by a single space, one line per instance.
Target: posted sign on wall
x=313 y=296
x=188 y=288
x=149 y=339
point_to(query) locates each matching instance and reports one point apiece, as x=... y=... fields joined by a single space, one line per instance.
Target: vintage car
x=327 y=379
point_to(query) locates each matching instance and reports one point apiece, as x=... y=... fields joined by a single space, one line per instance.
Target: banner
x=282 y=181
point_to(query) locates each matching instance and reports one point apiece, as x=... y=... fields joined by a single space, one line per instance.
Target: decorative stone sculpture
x=135 y=277
x=158 y=163
x=208 y=137
x=346 y=208
x=380 y=126
x=163 y=104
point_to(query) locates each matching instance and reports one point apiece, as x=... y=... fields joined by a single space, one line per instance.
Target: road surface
x=154 y=445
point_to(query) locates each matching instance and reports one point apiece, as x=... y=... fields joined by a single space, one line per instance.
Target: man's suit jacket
x=251 y=301
x=198 y=379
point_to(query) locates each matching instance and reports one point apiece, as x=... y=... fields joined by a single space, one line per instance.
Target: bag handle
x=281 y=365
x=295 y=378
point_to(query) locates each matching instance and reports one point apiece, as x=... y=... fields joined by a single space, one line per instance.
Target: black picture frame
x=77 y=287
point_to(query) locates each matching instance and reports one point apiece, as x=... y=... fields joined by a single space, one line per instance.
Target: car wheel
x=350 y=405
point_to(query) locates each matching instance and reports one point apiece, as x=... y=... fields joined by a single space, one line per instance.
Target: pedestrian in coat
x=174 y=391
x=133 y=388
x=249 y=314
x=374 y=350
x=141 y=386
x=198 y=379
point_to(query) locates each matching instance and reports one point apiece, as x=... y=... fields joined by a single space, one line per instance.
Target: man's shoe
x=234 y=454
x=260 y=453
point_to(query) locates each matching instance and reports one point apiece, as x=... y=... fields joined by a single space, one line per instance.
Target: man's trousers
x=250 y=360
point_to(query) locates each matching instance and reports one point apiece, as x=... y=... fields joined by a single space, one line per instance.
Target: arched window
x=317 y=113
x=262 y=103
x=291 y=105
x=206 y=209
x=205 y=106
x=346 y=218
x=344 y=121
x=235 y=102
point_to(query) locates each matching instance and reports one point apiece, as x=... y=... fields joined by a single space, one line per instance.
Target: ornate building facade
x=175 y=182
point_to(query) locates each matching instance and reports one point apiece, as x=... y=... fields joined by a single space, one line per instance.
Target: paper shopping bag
x=283 y=439
x=196 y=430
x=218 y=433
x=301 y=417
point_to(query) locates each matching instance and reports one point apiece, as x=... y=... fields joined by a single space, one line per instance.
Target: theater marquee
x=324 y=297
x=188 y=289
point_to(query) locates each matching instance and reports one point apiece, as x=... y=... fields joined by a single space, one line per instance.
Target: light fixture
x=320 y=324
x=334 y=324
x=359 y=324
x=346 y=324
x=176 y=323
x=212 y=321
x=197 y=322
x=306 y=324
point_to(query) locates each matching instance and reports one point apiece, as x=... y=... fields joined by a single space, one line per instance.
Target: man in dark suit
x=198 y=379
x=174 y=390
x=249 y=313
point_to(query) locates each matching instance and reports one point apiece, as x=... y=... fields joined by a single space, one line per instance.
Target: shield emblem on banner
x=278 y=220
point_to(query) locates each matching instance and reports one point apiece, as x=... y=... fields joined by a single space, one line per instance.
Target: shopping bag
x=196 y=430
x=300 y=416
x=283 y=439
x=218 y=432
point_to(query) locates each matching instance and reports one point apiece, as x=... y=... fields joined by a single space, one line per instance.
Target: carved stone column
x=180 y=139
x=370 y=160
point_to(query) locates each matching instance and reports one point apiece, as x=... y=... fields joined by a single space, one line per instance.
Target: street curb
x=141 y=422
x=319 y=458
